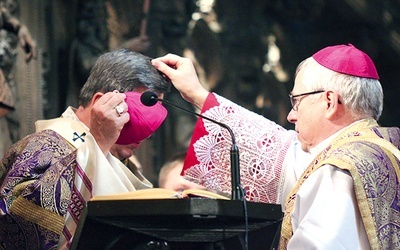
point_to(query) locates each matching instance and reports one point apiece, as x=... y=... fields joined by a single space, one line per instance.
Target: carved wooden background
x=244 y=50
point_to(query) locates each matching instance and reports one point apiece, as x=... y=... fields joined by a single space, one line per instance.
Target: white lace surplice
x=262 y=145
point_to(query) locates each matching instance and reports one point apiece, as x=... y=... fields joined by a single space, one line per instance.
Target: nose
x=292 y=116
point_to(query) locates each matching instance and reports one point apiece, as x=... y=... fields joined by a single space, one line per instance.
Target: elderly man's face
x=309 y=115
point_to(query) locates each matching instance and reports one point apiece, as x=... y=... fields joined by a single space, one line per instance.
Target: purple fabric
x=49 y=160
x=380 y=182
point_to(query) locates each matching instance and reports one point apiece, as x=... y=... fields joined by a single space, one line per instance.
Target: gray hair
x=123 y=70
x=362 y=96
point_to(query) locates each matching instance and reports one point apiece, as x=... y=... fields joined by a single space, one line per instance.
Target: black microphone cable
x=149 y=98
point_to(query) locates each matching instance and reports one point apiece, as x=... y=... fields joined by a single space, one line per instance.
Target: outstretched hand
x=183 y=76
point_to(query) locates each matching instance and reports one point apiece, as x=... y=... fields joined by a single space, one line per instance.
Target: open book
x=160 y=193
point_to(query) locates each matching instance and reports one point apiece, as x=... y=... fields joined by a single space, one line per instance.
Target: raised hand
x=108 y=116
x=183 y=75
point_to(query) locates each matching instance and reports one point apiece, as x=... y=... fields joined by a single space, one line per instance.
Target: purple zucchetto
x=347 y=59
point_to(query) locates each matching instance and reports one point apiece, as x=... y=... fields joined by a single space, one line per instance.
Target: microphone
x=149 y=98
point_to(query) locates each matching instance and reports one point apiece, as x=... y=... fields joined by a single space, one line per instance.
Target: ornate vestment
x=367 y=176
x=262 y=148
x=371 y=154
x=47 y=177
x=36 y=181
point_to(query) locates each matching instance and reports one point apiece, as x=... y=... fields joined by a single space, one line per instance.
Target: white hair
x=362 y=96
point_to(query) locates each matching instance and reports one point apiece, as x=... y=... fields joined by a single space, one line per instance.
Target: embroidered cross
x=76 y=136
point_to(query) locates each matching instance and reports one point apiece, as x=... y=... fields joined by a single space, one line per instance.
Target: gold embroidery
x=360 y=132
x=38 y=215
x=21 y=187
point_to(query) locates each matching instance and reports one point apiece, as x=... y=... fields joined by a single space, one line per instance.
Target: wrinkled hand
x=183 y=75
x=105 y=122
x=26 y=42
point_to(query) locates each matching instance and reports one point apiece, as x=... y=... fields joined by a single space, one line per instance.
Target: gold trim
x=37 y=215
x=367 y=136
x=18 y=189
x=364 y=208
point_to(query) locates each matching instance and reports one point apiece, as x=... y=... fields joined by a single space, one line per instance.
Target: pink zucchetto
x=347 y=59
x=143 y=122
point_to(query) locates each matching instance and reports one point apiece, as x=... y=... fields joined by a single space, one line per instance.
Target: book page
x=160 y=193
x=150 y=193
x=201 y=193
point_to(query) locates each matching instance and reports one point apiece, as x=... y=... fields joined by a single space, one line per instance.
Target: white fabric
x=326 y=214
x=106 y=173
x=294 y=164
x=262 y=147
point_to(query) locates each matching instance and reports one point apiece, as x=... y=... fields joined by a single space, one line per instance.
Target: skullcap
x=347 y=59
x=143 y=121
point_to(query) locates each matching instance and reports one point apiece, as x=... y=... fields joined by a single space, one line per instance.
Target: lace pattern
x=262 y=147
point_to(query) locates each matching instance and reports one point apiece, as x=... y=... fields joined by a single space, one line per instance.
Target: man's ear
x=96 y=97
x=334 y=107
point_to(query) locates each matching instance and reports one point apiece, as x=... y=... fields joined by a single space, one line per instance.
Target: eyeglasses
x=296 y=102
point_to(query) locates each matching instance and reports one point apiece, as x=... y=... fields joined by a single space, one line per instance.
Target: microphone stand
x=237 y=193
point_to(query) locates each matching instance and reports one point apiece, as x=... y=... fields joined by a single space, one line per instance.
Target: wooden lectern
x=168 y=224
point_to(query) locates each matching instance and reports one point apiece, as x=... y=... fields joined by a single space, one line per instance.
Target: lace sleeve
x=262 y=148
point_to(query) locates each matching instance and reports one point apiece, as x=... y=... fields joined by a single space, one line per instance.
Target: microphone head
x=149 y=98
